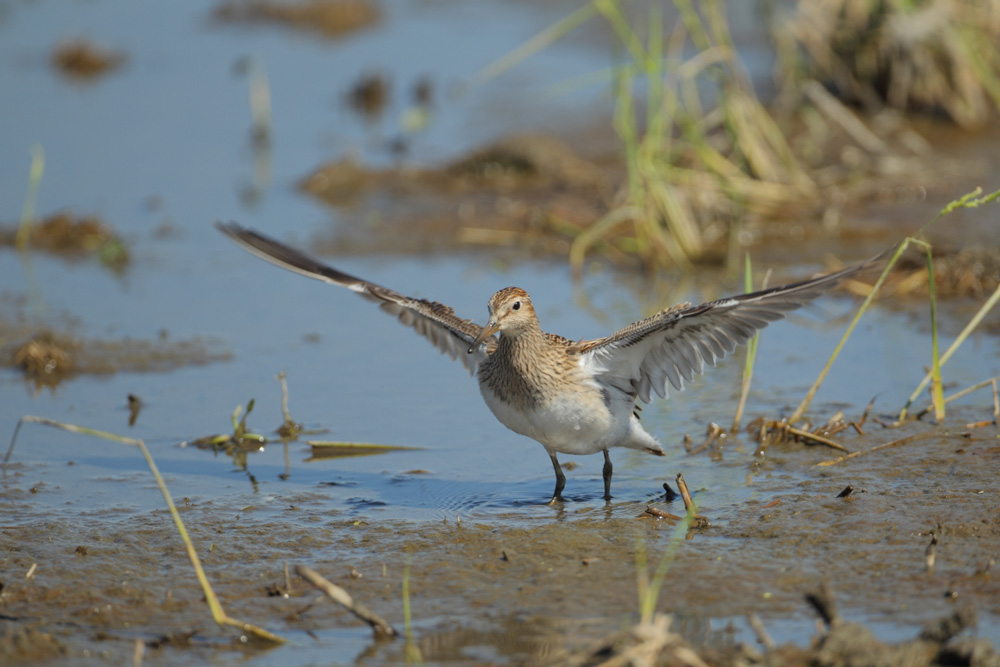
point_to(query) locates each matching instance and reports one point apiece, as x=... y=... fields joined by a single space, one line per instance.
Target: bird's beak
x=491 y=328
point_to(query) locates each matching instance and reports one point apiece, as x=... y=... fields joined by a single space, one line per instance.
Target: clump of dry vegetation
x=48 y=357
x=328 y=18
x=914 y=55
x=708 y=163
x=84 y=60
x=64 y=233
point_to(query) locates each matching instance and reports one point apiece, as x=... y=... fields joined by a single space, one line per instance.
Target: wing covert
x=674 y=344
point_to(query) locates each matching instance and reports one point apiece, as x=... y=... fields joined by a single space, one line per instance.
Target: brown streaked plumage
x=572 y=397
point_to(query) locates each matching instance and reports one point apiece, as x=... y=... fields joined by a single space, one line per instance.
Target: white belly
x=573 y=423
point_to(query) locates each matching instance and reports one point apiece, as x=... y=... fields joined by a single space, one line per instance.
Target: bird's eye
x=516 y=306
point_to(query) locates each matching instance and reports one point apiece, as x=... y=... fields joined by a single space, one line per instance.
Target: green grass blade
x=937 y=393
x=807 y=400
x=31 y=196
x=537 y=43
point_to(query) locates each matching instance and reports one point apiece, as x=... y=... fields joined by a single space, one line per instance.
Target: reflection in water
x=261 y=129
x=533 y=639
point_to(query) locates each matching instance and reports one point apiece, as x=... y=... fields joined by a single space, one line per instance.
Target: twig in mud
x=696 y=520
x=783 y=430
x=379 y=626
x=848 y=490
x=218 y=614
x=818 y=439
x=895 y=443
x=685 y=493
x=712 y=433
x=822 y=601
x=660 y=514
x=762 y=635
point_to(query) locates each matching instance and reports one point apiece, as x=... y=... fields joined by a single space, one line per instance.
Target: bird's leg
x=607 y=475
x=560 y=480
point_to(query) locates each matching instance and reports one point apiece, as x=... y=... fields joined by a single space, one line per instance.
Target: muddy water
x=161 y=146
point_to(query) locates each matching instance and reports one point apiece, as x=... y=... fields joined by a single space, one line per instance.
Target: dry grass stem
x=660 y=514
x=895 y=443
x=762 y=634
x=965 y=392
x=218 y=614
x=910 y=56
x=379 y=626
x=694 y=519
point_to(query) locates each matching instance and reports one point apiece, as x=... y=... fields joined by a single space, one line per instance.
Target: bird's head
x=511 y=313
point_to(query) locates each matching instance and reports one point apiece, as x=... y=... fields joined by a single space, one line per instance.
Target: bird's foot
x=556 y=500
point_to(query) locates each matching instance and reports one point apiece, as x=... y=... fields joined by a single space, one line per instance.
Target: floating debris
x=328 y=18
x=83 y=60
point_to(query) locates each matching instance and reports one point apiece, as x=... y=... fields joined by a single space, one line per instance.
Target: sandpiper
x=572 y=397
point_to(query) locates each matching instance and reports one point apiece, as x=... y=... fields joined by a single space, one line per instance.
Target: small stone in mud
x=81 y=550
x=369 y=95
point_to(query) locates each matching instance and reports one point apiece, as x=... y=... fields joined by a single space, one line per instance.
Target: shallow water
x=496 y=574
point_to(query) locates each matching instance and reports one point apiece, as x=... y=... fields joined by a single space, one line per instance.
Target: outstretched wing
x=434 y=321
x=676 y=343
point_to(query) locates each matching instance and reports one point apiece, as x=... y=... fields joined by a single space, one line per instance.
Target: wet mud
x=916 y=542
